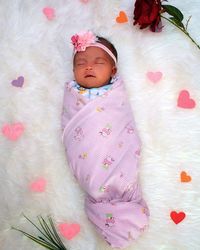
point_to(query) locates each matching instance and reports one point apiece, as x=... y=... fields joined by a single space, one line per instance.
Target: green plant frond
x=55 y=232
x=36 y=240
x=178 y=22
x=50 y=226
x=46 y=230
x=49 y=237
x=36 y=226
x=173 y=11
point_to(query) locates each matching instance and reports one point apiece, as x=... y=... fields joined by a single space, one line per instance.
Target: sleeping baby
x=101 y=142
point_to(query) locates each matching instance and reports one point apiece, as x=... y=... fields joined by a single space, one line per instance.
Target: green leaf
x=55 y=233
x=51 y=232
x=47 y=230
x=51 y=239
x=173 y=11
x=36 y=226
x=36 y=240
x=179 y=23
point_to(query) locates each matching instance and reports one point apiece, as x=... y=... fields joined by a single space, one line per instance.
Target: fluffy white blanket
x=36 y=61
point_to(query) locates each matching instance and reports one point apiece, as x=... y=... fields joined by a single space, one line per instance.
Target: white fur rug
x=35 y=62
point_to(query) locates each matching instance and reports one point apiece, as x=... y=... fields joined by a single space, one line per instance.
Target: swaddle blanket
x=103 y=148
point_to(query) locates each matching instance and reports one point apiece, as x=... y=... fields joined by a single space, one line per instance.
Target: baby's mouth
x=88 y=76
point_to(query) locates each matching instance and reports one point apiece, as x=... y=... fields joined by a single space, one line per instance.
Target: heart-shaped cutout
x=154 y=76
x=18 y=82
x=185 y=177
x=184 y=100
x=49 y=13
x=177 y=217
x=38 y=185
x=69 y=231
x=122 y=18
x=13 y=131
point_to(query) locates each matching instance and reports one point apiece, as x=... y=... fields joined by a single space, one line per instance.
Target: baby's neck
x=105 y=84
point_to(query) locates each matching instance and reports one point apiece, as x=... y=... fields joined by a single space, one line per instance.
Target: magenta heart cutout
x=13 y=131
x=38 y=185
x=154 y=76
x=49 y=13
x=18 y=82
x=184 y=100
x=69 y=231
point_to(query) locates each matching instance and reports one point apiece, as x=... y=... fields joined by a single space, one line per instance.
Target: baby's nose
x=89 y=67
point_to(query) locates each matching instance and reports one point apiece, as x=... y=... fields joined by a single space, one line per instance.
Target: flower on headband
x=82 y=40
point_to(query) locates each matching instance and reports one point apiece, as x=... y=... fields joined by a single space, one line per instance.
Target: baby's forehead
x=91 y=52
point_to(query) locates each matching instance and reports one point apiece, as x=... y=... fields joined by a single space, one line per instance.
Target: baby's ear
x=114 y=70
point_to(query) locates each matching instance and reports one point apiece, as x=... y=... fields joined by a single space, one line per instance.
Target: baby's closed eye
x=80 y=62
x=100 y=61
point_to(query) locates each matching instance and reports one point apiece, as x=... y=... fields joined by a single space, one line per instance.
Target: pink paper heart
x=184 y=100
x=49 y=13
x=84 y=1
x=154 y=76
x=69 y=231
x=18 y=82
x=38 y=185
x=13 y=131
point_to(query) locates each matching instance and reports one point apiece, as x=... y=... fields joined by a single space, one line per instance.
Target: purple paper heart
x=18 y=82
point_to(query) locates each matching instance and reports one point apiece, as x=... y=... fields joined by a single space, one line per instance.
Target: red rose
x=147 y=13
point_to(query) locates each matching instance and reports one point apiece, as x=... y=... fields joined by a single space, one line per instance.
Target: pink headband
x=83 y=40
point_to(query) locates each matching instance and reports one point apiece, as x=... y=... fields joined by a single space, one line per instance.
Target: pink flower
x=82 y=40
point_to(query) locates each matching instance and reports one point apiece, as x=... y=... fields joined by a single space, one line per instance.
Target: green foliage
x=176 y=18
x=173 y=11
x=177 y=22
x=48 y=238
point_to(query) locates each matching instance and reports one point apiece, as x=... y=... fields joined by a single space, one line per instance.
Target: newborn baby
x=101 y=142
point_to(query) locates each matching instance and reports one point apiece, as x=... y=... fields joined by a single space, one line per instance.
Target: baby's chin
x=92 y=84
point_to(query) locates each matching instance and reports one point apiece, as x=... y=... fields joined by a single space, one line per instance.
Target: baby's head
x=95 y=60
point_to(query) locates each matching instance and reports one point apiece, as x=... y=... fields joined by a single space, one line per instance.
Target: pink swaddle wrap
x=103 y=149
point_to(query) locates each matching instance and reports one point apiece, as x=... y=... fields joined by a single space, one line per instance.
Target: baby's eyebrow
x=100 y=58
x=80 y=59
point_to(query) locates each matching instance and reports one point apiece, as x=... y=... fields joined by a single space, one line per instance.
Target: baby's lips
x=89 y=76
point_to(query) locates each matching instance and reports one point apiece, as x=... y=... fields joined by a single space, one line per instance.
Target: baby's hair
x=108 y=44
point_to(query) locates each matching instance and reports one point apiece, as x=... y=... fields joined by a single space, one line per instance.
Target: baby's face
x=93 y=67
